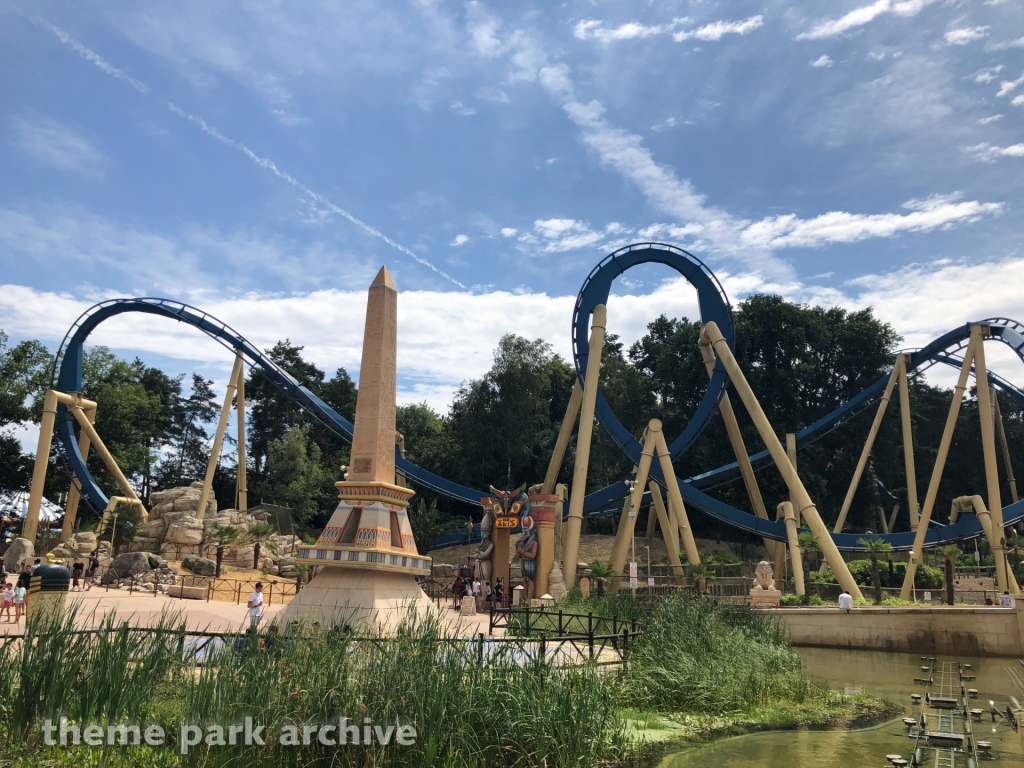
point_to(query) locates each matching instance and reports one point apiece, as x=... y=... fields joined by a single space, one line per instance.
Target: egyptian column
x=366 y=556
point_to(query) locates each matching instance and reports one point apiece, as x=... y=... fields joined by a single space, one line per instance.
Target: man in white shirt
x=476 y=593
x=845 y=601
x=255 y=605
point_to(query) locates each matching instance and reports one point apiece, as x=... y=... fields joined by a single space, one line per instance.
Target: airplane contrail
x=263 y=162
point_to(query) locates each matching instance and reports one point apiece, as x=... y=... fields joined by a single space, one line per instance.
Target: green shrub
x=795 y=600
x=716 y=556
x=926 y=576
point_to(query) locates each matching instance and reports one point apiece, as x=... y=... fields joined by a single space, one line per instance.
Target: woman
x=76 y=576
x=457 y=592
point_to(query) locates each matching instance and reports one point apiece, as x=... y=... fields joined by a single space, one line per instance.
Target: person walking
x=845 y=602
x=499 y=594
x=488 y=596
x=20 y=596
x=76 y=576
x=8 y=601
x=457 y=592
x=476 y=593
x=90 y=571
x=255 y=605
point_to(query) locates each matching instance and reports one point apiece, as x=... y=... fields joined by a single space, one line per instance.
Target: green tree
x=295 y=477
x=220 y=536
x=427 y=522
x=261 y=535
x=875 y=547
x=24 y=378
x=949 y=554
x=504 y=425
x=601 y=573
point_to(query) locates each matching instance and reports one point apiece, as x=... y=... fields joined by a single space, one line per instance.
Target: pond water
x=885 y=675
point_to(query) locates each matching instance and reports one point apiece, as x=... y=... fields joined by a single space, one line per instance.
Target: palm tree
x=220 y=536
x=261 y=535
x=874 y=548
x=601 y=573
x=807 y=543
x=949 y=554
x=699 y=574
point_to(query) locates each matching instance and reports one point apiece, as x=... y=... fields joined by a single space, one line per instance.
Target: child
x=76 y=575
x=19 y=602
x=8 y=596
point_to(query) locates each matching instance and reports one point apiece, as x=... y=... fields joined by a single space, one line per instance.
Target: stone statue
x=526 y=551
x=484 y=551
x=763 y=576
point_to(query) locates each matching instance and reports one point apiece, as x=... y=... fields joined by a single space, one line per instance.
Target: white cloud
x=1008 y=86
x=987 y=75
x=669 y=122
x=990 y=119
x=593 y=29
x=966 y=35
x=483 y=31
x=461 y=109
x=989 y=154
x=493 y=95
x=459 y=240
x=840 y=227
x=716 y=30
x=564 y=235
x=822 y=61
x=858 y=17
x=56 y=145
x=290 y=119
x=1002 y=46
x=509 y=231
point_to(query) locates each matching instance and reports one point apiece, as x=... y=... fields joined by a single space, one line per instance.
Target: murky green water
x=886 y=675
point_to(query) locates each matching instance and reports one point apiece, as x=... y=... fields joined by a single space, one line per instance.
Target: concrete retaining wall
x=953 y=630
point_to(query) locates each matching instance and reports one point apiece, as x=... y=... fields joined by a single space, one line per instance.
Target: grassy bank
x=697 y=671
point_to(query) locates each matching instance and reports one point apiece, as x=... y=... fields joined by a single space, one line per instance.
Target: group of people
x=481 y=594
x=15 y=595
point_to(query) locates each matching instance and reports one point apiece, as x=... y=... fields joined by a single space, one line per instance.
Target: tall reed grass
x=503 y=712
x=697 y=656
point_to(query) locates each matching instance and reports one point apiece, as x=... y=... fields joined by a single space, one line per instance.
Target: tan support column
x=940 y=463
x=675 y=499
x=868 y=445
x=892 y=519
x=586 y=432
x=108 y=459
x=791 y=453
x=626 y=526
x=1001 y=431
x=804 y=504
x=732 y=428
x=652 y=520
x=668 y=531
x=564 y=434
x=988 y=446
x=218 y=438
x=962 y=503
x=35 y=495
x=913 y=509
x=780 y=548
x=786 y=511
x=562 y=492
x=241 y=481
x=74 y=495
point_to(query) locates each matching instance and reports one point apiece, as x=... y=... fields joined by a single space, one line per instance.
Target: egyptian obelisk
x=366 y=556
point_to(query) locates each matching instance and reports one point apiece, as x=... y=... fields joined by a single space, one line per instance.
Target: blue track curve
x=596 y=288
x=69 y=379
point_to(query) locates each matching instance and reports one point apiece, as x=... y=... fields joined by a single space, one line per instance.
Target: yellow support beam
x=792 y=534
x=584 y=436
x=940 y=462
x=241 y=481
x=804 y=506
x=218 y=438
x=572 y=410
x=913 y=509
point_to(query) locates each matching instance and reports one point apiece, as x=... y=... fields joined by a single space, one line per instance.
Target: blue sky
x=262 y=160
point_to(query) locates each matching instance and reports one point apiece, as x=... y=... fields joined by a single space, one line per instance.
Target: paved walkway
x=199 y=616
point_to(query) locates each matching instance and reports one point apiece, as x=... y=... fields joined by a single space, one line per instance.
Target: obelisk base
x=368 y=600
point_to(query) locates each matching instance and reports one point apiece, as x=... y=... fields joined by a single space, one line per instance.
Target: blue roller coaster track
x=714 y=306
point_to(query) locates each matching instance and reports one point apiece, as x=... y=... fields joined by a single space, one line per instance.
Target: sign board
x=506 y=522
x=632 y=575
x=650 y=581
x=927 y=597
